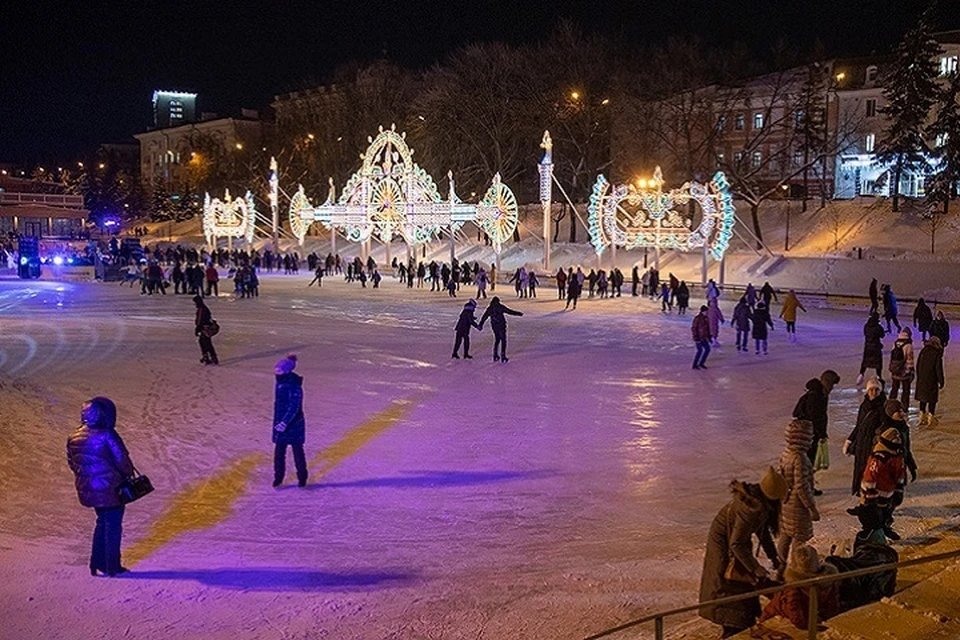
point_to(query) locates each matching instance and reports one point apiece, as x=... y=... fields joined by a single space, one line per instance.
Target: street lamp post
x=786 y=238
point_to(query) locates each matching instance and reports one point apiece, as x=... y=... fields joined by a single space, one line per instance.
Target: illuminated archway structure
x=229 y=218
x=391 y=195
x=643 y=215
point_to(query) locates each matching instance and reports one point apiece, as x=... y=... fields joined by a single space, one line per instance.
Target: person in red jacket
x=100 y=463
x=881 y=489
x=701 y=337
x=213 y=277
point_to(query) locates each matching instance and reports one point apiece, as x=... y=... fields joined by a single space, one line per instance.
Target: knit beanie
x=286 y=365
x=804 y=563
x=773 y=485
x=892 y=406
x=889 y=441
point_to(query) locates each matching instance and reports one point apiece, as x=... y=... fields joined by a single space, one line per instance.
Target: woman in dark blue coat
x=100 y=463
x=289 y=426
x=496 y=312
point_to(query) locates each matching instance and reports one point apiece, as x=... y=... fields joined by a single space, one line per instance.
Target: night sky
x=75 y=74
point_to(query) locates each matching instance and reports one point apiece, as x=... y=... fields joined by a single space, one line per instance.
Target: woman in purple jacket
x=100 y=463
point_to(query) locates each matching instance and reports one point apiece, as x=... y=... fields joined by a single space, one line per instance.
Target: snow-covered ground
x=551 y=497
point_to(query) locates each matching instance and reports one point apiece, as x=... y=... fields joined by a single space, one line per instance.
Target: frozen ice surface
x=550 y=497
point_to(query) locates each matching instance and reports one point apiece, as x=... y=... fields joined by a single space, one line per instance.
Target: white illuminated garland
x=229 y=218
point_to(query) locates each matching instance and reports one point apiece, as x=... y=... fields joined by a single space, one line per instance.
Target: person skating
x=700 y=328
x=179 y=280
x=602 y=284
x=645 y=281
x=812 y=406
x=574 y=287
x=941 y=328
x=881 y=488
x=799 y=509
x=318 y=277
x=741 y=323
x=421 y=274
x=761 y=321
x=715 y=316
x=922 y=318
x=890 y=308
x=452 y=288
x=683 y=298
x=562 y=284
x=592 y=283
x=929 y=380
x=789 y=313
x=729 y=565
x=289 y=425
x=902 y=366
x=482 y=281
x=496 y=312
x=203 y=329
x=767 y=294
x=859 y=443
x=100 y=463
x=872 y=347
x=532 y=283
x=751 y=295
x=665 y=306
x=213 y=278
x=464 y=323
x=874 y=297
x=376 y=278
x=635 y=279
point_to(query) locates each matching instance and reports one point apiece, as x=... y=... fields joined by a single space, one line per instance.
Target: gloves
x=815 y=515
x=846 y=448
x=913 y=475
x=281 y=426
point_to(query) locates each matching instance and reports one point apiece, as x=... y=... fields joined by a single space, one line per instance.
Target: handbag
x=736 y=572
x=822 y=459
x=212 y=329
x=134 y=487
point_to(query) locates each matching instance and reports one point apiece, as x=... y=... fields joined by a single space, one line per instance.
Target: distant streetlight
x=80 y=164
x=786 y=237
x=421 y=117
x=841 y=76
x=605 y=101
x=4 y=172
x=339 y=138
x=239 y=146
x=574 y=95
x=41 y=169
x=102 y=166
x=311 y=136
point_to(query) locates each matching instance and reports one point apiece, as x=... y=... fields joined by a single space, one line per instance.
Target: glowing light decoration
x=391 y=195
x=229 y=218
x=643 y=215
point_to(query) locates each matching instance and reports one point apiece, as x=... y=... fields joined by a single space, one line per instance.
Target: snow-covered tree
x=910 y=89
x=162 y=206
x=942 y=185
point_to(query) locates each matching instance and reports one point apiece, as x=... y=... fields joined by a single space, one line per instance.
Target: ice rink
x=564 y=492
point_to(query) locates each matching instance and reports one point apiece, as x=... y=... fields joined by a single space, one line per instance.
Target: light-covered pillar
x=546 y=194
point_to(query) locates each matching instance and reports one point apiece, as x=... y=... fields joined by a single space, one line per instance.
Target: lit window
x=720 y=159
x=721 y=123
x=756 y=159
x=870 y=142
x=871 y=107
x=948 y=65
x=797 y=158
x=871 y=74
x=799 y=118
x=942 y=139
x=738 y=157
x=739 y=123
x=758 y=120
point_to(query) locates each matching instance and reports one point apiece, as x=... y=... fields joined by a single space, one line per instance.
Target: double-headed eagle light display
x=643 y=215
x=229 y=218
x=391 y=195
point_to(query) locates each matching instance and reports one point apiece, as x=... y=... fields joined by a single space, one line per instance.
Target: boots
x=932 y=420
x=924 y=417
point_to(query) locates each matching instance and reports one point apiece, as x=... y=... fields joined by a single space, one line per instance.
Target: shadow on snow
x=279 y=579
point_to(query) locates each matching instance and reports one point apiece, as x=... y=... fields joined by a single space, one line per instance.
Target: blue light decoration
x=644 y=215
x=58 y=260
x=391 y=195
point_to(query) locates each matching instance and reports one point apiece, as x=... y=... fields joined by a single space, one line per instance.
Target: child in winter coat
x=665 y=305
x=793 y=603
x=799 y=510
x=464 y=323
x=881 y=489
x=452 y=288
x=532 y=283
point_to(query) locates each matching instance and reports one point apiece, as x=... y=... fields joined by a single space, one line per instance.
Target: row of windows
x=948 y=65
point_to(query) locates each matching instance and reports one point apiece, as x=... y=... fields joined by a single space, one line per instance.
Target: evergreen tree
x=942 y=185
x=161 y=204
x=910 y=90
x=811 y=121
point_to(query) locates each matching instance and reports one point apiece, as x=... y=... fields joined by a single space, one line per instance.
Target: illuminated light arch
x=392 y=195
x=632 y=216
x=229 y=218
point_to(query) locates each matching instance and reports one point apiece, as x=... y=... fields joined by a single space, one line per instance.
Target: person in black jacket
x=874 y=297
x=922 y=318
x=202 y=326
x=941 y=328
x=872 y=347
x=812 y=406
x=496 y=311
x=289 y=426
x=462 y=329
x=100 y=464
x=859 y=443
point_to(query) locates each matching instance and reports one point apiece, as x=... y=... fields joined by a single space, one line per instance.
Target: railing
x=812 y=614
x=55 y=200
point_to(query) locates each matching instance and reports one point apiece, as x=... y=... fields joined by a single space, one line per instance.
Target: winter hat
x=830 y=378
x=892 y=406
x=197 y=300
x=703 y=308
x=286 y=365
x=873 y=383
x=889 y=441
x=804 y=564
x=102 y=413
x=934 y=341
x=905 y=334
x=799 y=434
x=470 y=304
x=773 y=486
